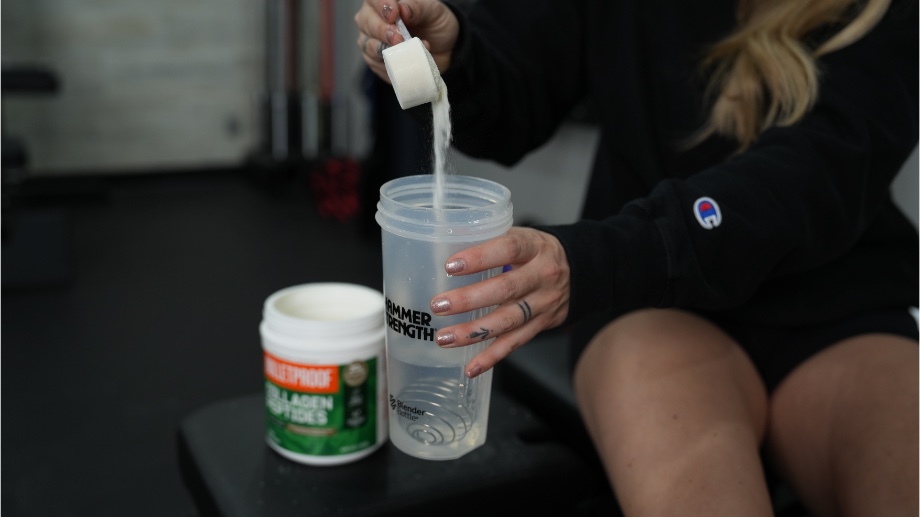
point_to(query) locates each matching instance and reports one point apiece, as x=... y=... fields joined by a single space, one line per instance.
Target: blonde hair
x=764 y=73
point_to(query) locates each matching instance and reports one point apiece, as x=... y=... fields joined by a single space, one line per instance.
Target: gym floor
x=129 y=303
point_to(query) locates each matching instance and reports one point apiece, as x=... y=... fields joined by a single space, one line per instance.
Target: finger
x=501 y=321
x=408 y=10
x=386 y=10
x=512 y=285
x=423 y=14
x=375 y=26
x=371 y=49
x=496 y=323
x=512 y=248
x=362 y=42
x=501 y=348
x=378 y=68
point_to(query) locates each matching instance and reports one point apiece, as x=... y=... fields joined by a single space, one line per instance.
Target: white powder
x=440 y=110
x=416 y=81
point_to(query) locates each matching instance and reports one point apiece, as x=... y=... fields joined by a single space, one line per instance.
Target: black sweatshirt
x=798 y=229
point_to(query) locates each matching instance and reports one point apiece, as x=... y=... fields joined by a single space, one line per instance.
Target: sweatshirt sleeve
x=799 y=198
x=514 y=75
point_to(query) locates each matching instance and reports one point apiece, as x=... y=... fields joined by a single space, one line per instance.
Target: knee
x=843 y=426
x=647 y=353
x=877 y=369
x=650 y=342
x=619 y=345
x=636 y=346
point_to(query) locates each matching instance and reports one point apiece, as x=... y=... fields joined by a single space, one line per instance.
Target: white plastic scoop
x=412 y=71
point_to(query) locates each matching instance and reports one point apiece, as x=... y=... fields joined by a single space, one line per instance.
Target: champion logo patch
x=707 y=213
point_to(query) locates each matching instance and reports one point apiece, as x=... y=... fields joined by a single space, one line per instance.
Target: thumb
x=435 y=24
x=425 y=16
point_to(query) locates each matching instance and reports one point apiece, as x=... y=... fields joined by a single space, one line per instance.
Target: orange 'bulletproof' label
x=304 y=378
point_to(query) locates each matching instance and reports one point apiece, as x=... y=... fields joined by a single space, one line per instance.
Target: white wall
x=905 y=188
x=148 y=84
x=548 y=186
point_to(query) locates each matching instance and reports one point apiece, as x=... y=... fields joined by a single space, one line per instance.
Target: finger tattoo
x=480 y=334
x=525 y=308
x=381 y=48
x=364 y=44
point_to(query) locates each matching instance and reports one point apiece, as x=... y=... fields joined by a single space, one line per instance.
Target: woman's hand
x=429 y=20
x=531 y=297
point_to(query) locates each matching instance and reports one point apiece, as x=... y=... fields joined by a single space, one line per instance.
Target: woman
x=741 y=277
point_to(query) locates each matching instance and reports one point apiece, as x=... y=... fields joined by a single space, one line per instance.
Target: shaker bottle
x=435 y=411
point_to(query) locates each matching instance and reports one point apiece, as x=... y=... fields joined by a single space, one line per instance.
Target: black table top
x=521 y=468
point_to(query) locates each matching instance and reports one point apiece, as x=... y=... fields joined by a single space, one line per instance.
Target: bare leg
x=676 y=411
x=844 y=428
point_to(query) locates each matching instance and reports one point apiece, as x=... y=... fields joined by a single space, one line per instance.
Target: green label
x=333 y=419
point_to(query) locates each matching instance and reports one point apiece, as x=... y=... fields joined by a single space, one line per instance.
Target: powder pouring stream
x=416 y=81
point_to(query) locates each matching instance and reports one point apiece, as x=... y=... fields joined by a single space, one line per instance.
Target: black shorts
x=775 y=352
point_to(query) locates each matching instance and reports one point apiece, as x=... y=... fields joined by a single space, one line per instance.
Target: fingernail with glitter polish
x=440 y=305
x=390 y=35
x=386 y=10
x=474 y=371
x=455 y=266
x=446 y=339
